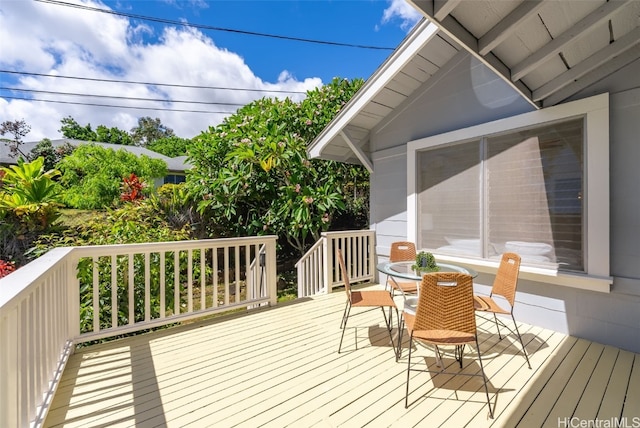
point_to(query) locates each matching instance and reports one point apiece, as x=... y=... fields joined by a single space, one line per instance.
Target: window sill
x=600 y=284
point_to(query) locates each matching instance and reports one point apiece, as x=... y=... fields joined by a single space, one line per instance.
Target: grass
x=73 y=218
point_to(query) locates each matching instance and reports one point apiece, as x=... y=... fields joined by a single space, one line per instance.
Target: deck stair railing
x=318 y=271
x=78 y=294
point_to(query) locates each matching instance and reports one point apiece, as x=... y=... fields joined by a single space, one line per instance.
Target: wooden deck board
x=280 y=367
x=595 y=390
x=632 y=399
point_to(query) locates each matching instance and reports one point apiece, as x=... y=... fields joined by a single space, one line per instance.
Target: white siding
x=433 y=109
x=465 y=95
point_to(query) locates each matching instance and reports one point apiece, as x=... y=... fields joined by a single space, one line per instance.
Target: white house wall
x=469 y=95
x=478 y=96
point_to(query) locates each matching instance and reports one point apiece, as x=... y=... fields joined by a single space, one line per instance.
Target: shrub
x=6 y=268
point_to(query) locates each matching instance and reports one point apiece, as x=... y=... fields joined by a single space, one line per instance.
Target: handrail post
x=272 y=273
x=73 y=293
x=327 y=255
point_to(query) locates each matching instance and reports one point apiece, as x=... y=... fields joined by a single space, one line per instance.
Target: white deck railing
x=49 y=305
x=318 y=269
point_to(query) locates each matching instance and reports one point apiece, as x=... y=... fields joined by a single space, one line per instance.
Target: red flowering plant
x=132 y=188
x=6 y=268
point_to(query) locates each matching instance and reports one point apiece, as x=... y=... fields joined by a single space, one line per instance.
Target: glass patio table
x=402 y=270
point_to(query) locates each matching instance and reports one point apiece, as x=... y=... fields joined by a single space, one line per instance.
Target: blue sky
x=52 y=37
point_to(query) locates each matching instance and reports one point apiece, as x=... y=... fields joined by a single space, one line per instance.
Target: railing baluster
x=226 y=274
x=176 y=282
x=214 y=256
x=203 y=279
x=114 y=290
x=163 y=282
x=237 y=273
x=147 y=286
x=131 y=273
x=96 y=295
x=247 y=270
x=41 y=305
x=190 y=280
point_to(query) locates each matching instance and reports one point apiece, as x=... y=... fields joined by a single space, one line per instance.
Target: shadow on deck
x=280 y=367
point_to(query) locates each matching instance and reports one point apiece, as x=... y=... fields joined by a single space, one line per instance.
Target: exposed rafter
x=596 y=74
x=580 y=29
x=619 y=47
x=442 y=8
x=508 y=25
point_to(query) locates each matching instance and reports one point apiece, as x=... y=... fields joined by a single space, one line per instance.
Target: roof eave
x=415 y=40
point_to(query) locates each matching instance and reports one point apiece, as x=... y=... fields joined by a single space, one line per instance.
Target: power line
x=208 y=27
x=118 y=97
x=116 y=106
x=152 y=83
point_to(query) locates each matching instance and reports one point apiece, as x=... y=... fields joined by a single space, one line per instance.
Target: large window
x=536 y=184
x=518 y=191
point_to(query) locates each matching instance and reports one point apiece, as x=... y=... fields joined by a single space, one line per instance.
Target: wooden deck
x=279 y=367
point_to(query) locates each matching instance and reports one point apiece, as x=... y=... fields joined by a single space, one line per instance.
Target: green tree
x=253 y=173
x=92 y=175
x=72 y=129
x=170 y=146
x=149 y=130
x=52 y=155
x=113 y=135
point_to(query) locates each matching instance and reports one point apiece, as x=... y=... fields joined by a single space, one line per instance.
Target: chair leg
x=524 y=351
x=458 y=353
x=406 y=396
x=495 y=318
x=400 y=331
x=389 y=323
x=344 y=315
x=344 y=328
x=484 y=378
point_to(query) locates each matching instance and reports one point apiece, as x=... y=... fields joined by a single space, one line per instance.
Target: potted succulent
x=425 y=262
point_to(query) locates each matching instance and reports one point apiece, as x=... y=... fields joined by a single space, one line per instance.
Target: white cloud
x=48 y=39
x=402 y=11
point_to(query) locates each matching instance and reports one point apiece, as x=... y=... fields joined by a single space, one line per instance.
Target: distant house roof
x=178 y=164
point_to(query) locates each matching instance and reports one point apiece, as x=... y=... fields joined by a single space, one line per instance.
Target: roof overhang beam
x=556 y=45
x=625 y=47
x=362 y=157
x=507 y=26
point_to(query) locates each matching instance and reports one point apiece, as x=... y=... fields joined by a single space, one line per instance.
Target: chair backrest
x=345 y=275
x=446 y=303
x=506 y=280
x=402 y=251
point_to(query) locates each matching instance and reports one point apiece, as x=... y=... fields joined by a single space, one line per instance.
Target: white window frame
x=595 y=111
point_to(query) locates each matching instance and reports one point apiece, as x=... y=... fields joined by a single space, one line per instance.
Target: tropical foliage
x=170 y=146
x=28 y=207
x=6 y=268
x=29 y=196
x=253 y=174
x=92 y=175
